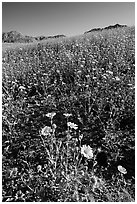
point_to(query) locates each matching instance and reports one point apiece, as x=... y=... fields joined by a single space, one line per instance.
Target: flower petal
x=87 y=151
x=122 y=169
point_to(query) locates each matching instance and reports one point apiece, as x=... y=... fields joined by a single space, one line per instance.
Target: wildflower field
x=68 y=127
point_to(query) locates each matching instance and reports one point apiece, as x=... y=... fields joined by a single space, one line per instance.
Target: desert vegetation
x=68 y=127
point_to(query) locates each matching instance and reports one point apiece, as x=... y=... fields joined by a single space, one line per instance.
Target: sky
x=68 y=18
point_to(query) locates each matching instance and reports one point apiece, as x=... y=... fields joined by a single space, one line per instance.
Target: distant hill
x=16 y=37
x=57 y=36
x=106 y=28
x=114 y=26
x=39 y=38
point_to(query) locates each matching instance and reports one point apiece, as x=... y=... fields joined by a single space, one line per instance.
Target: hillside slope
x=68 y=126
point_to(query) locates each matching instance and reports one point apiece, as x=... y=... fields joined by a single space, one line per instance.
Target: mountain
x=57 y=36
x=106 y=28
x=16 y=37
x=39 y=38
x=115 y=26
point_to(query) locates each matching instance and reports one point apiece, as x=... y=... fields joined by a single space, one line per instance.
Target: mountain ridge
x=106 y=28
x=17 y=37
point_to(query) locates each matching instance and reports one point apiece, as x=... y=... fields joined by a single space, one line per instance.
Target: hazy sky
x=68 y=18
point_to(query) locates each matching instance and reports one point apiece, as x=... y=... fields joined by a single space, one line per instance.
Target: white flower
x=122 y=169
x=132 y=87
x=129 y=84
x=54 y=126
x=50 y=115
x=81 y=136
x=104 y=76
x=9 y=99
x=110 y=72
x=94 y=69
x=46 y=131
x=58 y=71
x=9 y=199
x=39 y=168
x=72 y=125
x=14 y=171
x=22 y=87
x=117 y=78
x=87 y=151
x=67 y=115
x=79 y=72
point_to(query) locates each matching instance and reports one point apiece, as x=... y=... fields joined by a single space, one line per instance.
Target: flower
x=54 y=126
x=94 y=69
x=81 y=136
x=58 y=71
x=14 y=171
x=39 y=168
x=22 y=87
x=87 y=151
x=122 y=169
x=67 y=115
x=104 y=76
x=72 y=125
x=117 y=78
x=110 y=72
x=9 y=99
x=50 y=115
x=79 y=72
x=46 y=131
x=88 y=76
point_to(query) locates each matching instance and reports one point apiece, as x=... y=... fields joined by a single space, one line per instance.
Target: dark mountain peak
x=106 y=28
x=92 y=30
x=115 y=26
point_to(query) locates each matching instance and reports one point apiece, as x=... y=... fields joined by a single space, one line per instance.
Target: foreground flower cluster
x=85 y=150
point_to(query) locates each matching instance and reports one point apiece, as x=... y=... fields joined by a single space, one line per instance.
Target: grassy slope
x=10 y=46
x=91 y=77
